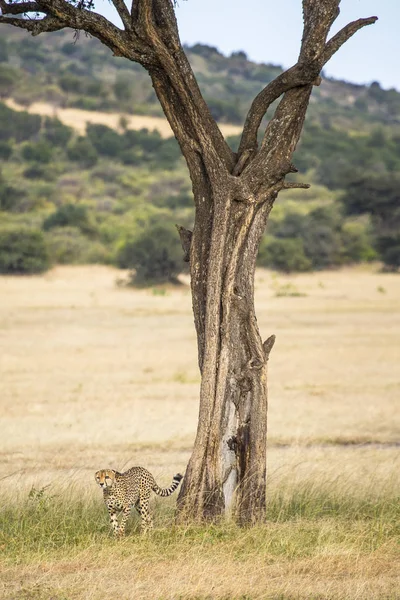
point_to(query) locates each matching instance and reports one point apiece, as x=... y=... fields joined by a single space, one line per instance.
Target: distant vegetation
x=99 y=197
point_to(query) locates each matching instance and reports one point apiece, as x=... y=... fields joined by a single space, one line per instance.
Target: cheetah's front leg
x=125 y=515
x=113 y=518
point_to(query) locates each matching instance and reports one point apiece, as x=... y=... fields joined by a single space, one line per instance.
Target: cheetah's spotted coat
x=121 y=491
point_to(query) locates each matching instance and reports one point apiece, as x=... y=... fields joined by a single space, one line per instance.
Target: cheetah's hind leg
x=142 y=506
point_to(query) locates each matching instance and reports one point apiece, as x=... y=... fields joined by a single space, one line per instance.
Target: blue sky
x=270 y=31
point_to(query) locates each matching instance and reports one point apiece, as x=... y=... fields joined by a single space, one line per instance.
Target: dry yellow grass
x=95 y=375
x=78 y=118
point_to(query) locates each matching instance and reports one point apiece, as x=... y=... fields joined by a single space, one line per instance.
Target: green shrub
x=5 y=150
x=56 y=132
x=19 y=125
x=123 y=88
x=38 y=171
x=8 y=80
x=23 y=250
x=357 y=244
x=389 y=248
x=67 y=245
x=106 y=141
x=3 y=50
x=71 y=83
x=10 y=196
x=155 y=255
x=83 y=151
x=40 y=151
x=69 y=215
x=284 y=255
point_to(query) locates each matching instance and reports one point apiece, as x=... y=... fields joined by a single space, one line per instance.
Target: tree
x=234 y=193
x=154 y=254
x=378 y=196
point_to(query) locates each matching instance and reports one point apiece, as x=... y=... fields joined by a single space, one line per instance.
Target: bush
x=284 y=255
x=67 y=245
x=8 y=80
x=40 y=151
x=389 y=248
x=106 y=141
x=380 y=198
x=38 y=171
x=23 y=250
x=83 y=151
x=357 y=246
x=18 y=125
x=5 y=150
x=56 y=132
x=317 y=240
x=3 y=50
x=10 y=196
x=155 y=255
x=71 y=83
x=69 y=215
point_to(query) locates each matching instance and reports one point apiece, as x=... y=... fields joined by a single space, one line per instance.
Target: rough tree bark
x=233 y=194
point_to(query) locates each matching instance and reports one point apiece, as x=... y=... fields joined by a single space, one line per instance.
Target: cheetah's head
x=105 y=478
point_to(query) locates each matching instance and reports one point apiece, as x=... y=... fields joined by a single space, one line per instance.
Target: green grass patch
x=300 y=521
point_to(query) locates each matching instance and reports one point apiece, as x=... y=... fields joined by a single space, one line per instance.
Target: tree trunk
x=227 y=470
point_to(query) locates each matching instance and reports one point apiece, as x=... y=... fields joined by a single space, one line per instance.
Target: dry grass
x=78 y=118
x=94 y=375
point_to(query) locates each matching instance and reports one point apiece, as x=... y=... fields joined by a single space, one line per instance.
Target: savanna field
x=95 y=375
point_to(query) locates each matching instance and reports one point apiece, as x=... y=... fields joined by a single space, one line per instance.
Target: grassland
x=93 y=374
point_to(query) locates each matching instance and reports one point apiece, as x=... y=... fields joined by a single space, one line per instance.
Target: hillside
x=81 y=73
x=94 y=168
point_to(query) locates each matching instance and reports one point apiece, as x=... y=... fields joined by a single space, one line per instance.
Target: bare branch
x=295 y=76
x=18 y=9
x=97 y=25
x=35 y=26
x=157 y=28
x=123 y=12
x=280 y=138
x=268 y=345
x=343 y=35
x=292 y=185
x=315 y=52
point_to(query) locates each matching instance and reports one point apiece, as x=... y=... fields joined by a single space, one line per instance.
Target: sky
x=270 y=31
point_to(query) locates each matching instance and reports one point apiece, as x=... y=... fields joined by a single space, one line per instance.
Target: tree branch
x=123 y=13
x=295 y=76
x=315 y=52
x=35 y=26
x=119 y=41
x=343 y=35
x=18 y=9
x=292 y=185
x=155 y=24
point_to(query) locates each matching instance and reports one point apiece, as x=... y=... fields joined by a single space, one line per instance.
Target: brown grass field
x=94 y=375
x=78 y=118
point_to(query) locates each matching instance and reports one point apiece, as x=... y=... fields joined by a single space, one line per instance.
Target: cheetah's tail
x=169 y=490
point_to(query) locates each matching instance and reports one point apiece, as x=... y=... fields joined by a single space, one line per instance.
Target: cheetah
x=121 y=491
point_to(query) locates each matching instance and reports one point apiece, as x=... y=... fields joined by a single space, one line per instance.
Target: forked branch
x=314 y=54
